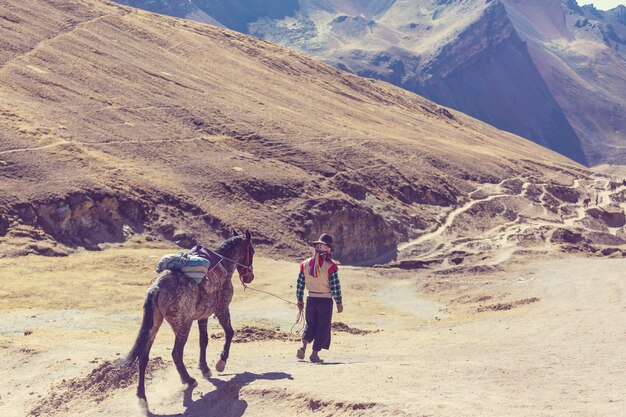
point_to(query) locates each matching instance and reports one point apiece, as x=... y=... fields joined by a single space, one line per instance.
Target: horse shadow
x=224 y=400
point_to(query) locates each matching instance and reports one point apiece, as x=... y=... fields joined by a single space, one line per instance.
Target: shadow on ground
x=225 y=400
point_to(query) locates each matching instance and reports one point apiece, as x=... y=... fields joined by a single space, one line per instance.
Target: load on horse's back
x=200 y=264
x=179 y=300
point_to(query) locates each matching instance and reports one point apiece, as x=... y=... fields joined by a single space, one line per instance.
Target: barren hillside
x=122 y=125
x=551 y=71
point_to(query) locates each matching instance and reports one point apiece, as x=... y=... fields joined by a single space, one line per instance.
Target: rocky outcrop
x=359 y=233
x=84 y=219
x=608 y=239
x=612 y=216
x=565 y=194
x=566 y=236
x=87 y=220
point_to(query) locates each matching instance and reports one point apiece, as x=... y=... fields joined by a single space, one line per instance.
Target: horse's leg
x=181 y=330
x=157 y=320
x=224 y=318
x=204 y=341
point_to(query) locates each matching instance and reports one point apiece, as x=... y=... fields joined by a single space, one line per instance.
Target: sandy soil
x=541 y=338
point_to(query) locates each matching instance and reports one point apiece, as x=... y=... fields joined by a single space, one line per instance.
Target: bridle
x=247 y=266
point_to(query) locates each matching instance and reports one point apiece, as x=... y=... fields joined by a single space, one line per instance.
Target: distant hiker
x=597 y=198
x=318 y=275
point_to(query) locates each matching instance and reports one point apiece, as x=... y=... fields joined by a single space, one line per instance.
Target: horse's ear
x=235 y=233
x=248 y=235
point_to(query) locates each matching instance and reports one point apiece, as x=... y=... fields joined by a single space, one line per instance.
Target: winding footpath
x=498 y=238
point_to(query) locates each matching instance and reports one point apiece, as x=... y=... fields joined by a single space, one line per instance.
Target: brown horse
x=180 y=301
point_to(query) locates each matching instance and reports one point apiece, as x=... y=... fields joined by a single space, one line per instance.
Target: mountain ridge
x=403 y=42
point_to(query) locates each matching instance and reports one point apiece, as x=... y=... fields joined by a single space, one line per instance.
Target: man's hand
x=339 y=308
x=300 y=306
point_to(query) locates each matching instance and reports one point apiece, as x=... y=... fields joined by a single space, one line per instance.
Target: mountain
x=122 y=126
x=548 y=70
x=580 y=52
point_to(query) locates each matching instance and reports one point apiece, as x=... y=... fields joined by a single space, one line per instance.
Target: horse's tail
x=144 y=331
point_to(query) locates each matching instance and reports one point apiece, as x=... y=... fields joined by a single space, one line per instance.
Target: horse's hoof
x=143 y=405
x=206 y=374
x=192 y=383
x=220 y=366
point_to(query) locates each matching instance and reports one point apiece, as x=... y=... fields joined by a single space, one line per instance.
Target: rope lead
x=299 y=318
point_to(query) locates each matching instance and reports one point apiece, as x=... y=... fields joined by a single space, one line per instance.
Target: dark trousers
x=319 y=314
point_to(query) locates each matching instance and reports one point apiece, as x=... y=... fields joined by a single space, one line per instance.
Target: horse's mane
x=228 y=245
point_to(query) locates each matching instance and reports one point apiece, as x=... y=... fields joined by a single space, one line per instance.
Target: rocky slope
x=120 y=125
x=580 y=53
x=550 y=71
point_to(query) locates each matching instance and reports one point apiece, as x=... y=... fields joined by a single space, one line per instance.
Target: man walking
x=318 y=275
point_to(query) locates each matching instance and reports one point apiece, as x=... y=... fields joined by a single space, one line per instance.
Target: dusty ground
x=541 y=338
x=137 y=152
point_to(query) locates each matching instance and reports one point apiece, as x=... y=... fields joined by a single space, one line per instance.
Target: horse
x=177 y=299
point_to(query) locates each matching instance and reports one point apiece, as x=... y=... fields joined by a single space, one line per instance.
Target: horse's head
x=246 y=254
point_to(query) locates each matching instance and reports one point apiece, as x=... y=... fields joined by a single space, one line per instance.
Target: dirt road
x=534 y=337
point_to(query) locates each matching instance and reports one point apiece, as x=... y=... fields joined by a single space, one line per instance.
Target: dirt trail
x=452 y=216
x=540 y=338
x=36 y=148
x=501 y=242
